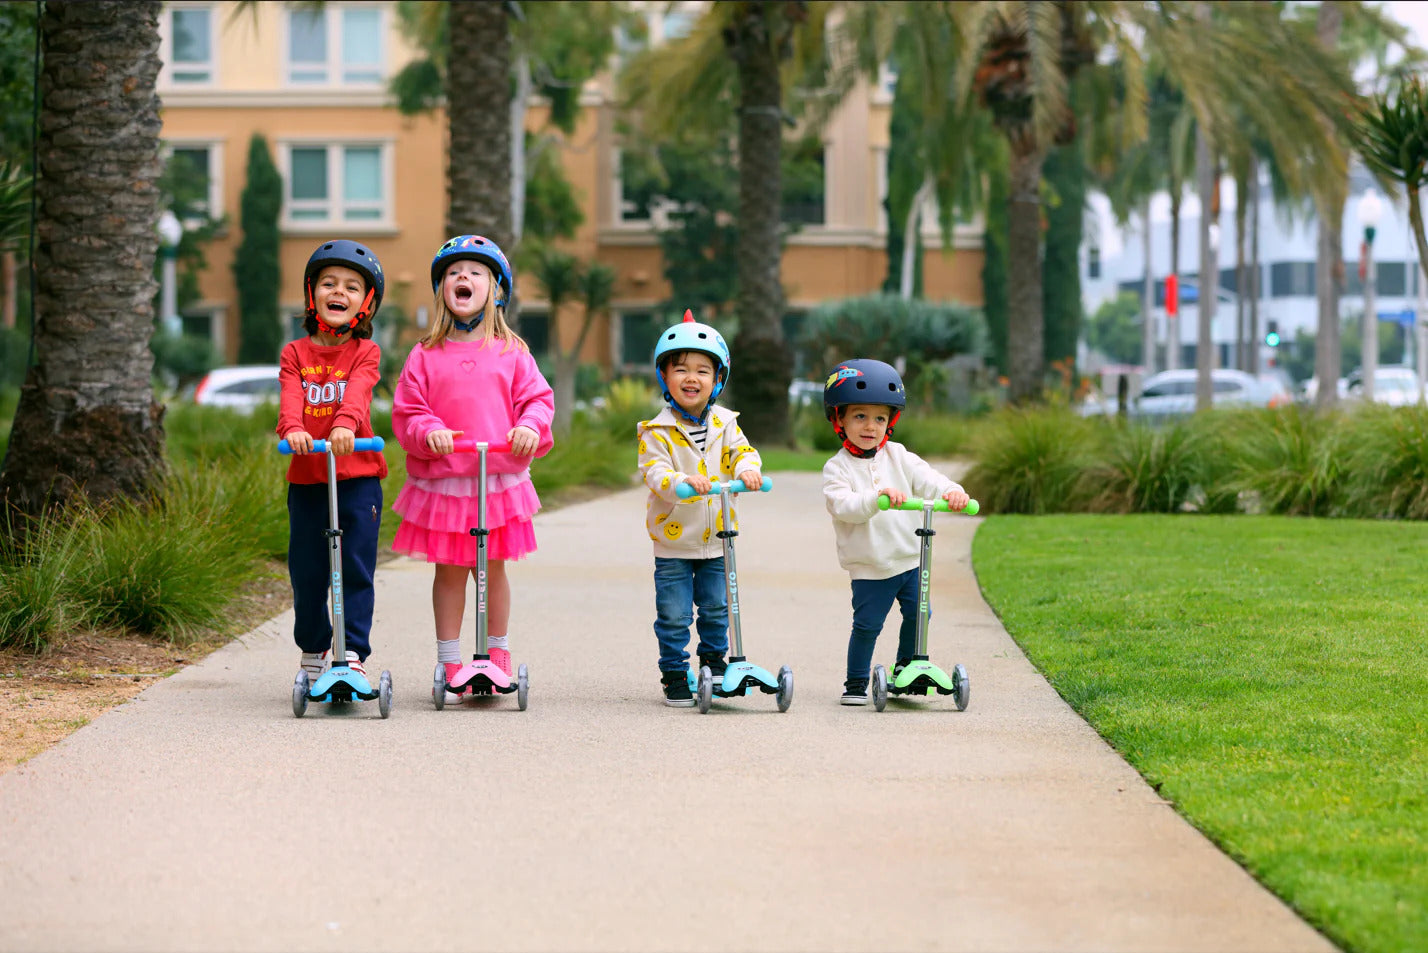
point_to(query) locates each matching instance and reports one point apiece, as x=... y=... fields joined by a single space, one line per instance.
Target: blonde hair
x=493 y=324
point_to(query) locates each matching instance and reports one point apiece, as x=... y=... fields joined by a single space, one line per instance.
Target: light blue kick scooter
x=339 y=684
x=741 y=677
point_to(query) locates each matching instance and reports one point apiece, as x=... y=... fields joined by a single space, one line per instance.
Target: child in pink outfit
x=472 y=376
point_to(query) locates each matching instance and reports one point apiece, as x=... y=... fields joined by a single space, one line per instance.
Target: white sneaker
x=314 y=663
x=354 y=663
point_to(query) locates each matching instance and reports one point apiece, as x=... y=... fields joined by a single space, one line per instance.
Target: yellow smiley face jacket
x=685 y=529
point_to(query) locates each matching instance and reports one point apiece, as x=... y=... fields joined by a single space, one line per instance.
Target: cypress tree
x=255 y=265
x=1065 y=174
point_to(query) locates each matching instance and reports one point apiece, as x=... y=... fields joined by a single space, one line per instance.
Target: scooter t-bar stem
x=320 y=446
x=938 y=505
x=684 y=491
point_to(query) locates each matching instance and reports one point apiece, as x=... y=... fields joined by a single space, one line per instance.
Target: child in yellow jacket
x=693 y=441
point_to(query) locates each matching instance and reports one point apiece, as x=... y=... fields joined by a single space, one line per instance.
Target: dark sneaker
x=715 y=663
x=899 y=665
x=855 y=691
x=676 y=689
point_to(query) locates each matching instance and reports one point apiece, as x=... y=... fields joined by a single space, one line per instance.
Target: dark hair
x=361 y=332
x=670 y=357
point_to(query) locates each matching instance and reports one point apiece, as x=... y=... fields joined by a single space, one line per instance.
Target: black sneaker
x=715 y=663
x=855 y=691
x=676 y=689
x=899 y=665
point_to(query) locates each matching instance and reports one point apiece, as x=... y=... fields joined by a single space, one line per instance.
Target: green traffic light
x=1272 y=339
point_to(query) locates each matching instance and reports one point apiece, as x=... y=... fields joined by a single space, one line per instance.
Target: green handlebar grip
x=939 y=506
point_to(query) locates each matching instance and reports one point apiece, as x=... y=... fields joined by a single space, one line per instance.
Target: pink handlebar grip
x=468 y=445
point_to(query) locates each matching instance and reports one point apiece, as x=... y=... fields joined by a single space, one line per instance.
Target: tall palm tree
x=478 y=121
x=87 y=422
x=1393 y=139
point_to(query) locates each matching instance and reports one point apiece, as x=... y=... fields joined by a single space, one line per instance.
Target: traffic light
x=1271 y=334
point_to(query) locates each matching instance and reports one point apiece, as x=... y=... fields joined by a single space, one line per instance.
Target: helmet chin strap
x=674 y=405
x=856 y=450
x=351 y=325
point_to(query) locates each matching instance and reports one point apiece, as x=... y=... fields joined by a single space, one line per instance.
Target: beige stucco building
x=313 y=82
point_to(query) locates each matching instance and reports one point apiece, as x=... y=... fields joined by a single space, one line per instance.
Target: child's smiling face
x=690 y=378
x=338 y=293
x=865 y=424
x=466 y=287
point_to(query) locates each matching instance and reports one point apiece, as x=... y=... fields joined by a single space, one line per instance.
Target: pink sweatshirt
x=475 y=388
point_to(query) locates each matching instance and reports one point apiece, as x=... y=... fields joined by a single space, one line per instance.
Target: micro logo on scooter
x=336 y=594
x=481 y=589
x=734 y=593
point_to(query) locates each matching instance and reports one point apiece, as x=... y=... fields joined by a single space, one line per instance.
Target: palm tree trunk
x=1209 y=274
x=520 y=103
x=1254 y=335
x=1024 y=311
x=478 y=96
x=87 y=422
x=1328 y=271
x=762 y=364
x=1147 y=299
x=1244 y=344
x=910 y=244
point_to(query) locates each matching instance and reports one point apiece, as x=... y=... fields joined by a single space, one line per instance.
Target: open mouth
x=337 y=306
x=463 y=293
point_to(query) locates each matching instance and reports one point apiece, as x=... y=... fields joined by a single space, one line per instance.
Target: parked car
x=803 y=393
x=243 y=388
x=1393 y=385
x=1172 y=393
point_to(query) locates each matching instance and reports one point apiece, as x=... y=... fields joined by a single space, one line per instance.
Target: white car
x=1392 y=385
x=243 y=389
x=1172 y=393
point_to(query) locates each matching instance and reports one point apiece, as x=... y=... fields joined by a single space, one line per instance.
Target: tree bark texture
x=87 y=422
x=1208 y=282
x=1024 y=313
x=1329 y=268
x=478 y=117
x=1254 y=335
x=762 y=363
x=1147 y=298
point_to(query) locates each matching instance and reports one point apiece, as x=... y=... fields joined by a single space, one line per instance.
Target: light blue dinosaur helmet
x=690 y=335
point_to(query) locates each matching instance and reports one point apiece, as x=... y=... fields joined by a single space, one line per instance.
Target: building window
x=190 y=53
x=338 y=184
x=1093 y=263
x=196 y=173
x=804 y=183
x=335 y=46
x=1291 y=279
x=535 y=331
x=638 y=334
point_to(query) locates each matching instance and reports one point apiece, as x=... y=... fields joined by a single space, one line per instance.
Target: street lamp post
x=170 y=231
x=1370 y=209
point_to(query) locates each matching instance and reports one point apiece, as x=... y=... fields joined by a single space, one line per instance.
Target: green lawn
x=1269 y=676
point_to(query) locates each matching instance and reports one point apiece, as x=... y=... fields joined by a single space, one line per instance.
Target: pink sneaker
x=502 y=660
x=451 y=697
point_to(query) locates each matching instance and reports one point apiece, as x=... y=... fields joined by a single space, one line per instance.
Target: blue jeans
x=872 y=600
x=680 y=585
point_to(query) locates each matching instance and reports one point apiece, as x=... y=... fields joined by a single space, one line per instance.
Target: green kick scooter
x=920 y=678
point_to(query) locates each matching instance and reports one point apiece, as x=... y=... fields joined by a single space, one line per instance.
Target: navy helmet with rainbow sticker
x=863 y=381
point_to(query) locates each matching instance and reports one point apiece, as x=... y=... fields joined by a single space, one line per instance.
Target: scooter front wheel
x=706 y=689
x=384 y=694
x=785 y=688
x=300 y=686
x=523 y=687
x=961 y=688
x=880 y=687
x=438 y=687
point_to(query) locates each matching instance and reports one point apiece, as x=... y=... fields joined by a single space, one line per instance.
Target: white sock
x=448 y=650
x=497 y=641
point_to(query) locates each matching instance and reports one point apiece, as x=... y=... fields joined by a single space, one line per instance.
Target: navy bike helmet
x=359 y=258
x=863 y=381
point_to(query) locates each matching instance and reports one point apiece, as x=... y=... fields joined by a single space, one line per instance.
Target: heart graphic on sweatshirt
x=468 y=366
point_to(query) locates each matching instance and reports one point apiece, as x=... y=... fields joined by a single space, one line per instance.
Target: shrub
x=628 y=401
x=1146 y=469
x=1291 y=460
x=1032 y=461
x=33 y=571
x=1387 y=469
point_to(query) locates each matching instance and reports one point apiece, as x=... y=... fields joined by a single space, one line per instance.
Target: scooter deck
x=341 y=684
x=922 y=678
x=740 y=678
x=481 y=677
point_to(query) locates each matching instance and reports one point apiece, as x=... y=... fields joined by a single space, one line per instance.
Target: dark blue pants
x=359 y=514
x=680 y=585
x=872 y=600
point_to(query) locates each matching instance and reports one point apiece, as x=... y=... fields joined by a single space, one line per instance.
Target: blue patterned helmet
x=863 y=381
x=348 y=254
x=690 y=335
x=475 y=248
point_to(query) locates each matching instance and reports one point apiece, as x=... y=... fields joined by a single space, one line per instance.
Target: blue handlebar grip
x=320 y=446
x=684 y=491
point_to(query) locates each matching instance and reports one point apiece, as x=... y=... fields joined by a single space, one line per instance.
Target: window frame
x=166 y=47
x=215 y=173
x=334 y=69
x=336 y=206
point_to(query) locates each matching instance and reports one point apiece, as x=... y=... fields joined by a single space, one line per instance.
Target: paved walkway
x=203 y=816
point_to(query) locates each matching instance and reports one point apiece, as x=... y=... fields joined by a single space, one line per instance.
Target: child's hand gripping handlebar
x=937 y=505
x=468 y=445
x=320 y=446
x=684 y=491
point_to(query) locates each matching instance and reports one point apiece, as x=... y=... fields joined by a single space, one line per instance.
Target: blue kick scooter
x=741 y=677
x=339 y=684
x=920 y=678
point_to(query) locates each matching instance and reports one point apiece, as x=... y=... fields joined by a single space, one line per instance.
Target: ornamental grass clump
x=1033 y=461
x=1388 y=463
x=1291 y=460
x=34 y=566
x=1146 y=469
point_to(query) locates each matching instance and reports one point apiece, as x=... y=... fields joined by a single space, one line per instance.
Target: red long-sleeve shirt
x=322 y=387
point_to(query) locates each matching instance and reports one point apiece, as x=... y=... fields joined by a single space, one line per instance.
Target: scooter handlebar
x=320 y=446
x=684 y=491
x=939 y=506
x=468 y=445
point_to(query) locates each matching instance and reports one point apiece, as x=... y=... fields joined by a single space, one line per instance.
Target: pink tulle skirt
x=438 y=515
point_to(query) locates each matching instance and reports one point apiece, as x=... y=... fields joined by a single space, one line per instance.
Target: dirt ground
x=45 y=698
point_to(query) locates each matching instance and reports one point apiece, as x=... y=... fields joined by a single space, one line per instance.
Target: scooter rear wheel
x=300 y=686
x=705 y=695
x=384 y=694
x=523 y=687
x=438 y=687
x=961 y=688
x=880 y=687
x=785 y=688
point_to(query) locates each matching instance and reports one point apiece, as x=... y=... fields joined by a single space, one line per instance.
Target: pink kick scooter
x=480 y=676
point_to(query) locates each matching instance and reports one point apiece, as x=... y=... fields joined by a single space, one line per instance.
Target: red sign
x=1363 y=260
x=1172 y=295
